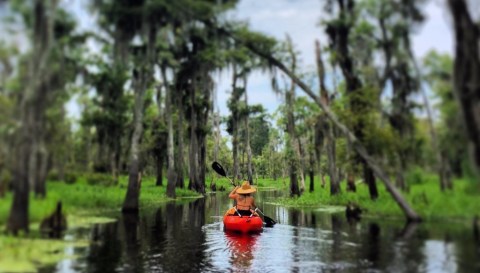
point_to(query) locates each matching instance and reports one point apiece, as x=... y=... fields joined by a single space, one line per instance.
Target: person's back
x=244 y=199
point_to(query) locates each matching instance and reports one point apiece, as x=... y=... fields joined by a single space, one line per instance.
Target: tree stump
x=353 y=212
x=55 y=224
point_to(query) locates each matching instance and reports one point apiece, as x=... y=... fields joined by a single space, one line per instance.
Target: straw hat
x=246 y=188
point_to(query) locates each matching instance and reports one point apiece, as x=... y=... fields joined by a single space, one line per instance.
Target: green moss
x=26 y=255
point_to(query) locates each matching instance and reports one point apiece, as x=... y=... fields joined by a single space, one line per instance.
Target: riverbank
x=84 y=205
x=425 y=197
x=82 y=198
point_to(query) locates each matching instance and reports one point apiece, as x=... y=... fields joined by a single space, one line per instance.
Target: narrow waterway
x=188 y=237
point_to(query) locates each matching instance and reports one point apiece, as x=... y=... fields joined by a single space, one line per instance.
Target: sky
x=300 y=19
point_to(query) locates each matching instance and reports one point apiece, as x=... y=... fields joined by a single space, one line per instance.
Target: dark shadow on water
x=374 y=243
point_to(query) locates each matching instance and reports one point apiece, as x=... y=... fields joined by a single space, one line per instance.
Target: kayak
x=244 y=224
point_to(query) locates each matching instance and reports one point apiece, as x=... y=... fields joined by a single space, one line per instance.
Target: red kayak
x=244 y=224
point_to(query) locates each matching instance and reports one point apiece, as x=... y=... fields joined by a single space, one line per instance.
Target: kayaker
x=244 y=199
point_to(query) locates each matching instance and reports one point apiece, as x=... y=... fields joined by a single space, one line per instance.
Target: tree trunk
x=133 y=191
x=466 y=71
x=201 y=164
x=217 y=135
x=299 y=154
x=311 y=162
x=351 y=183
x=292 y=138
x=171 y=177
x=325 y=126
x=331 y=157
x=235 y=120
x=114 y=166
x=247 y=139
x=203 y=107
x=179 y=164
x=33 y=98
x=41 y=172
x=192 y=150
x=311 y=174
x=159 y=162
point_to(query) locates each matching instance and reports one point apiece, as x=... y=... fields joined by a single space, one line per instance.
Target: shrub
x=5 y=176
x=53 y=176
x=70 y=178
x=99 y=179
x=415 y=176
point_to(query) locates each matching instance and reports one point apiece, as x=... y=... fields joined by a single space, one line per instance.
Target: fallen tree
x=410 y=214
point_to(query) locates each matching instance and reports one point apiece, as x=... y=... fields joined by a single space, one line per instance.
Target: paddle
x=269 y=222
x=221 y=171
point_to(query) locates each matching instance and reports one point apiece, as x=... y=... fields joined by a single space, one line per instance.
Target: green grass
x=424 y=196
x=84 y=205
x=261 y=183
x=84 y=199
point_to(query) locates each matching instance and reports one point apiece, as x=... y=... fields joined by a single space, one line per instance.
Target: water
x=189 y=237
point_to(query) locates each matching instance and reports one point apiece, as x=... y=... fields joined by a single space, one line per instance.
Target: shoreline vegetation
x=86 y=204
x=82 y=199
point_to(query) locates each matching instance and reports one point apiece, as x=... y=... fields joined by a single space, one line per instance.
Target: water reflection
x=242 y=248
x=188 y=237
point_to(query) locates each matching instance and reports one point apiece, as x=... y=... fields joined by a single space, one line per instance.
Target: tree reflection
x=106 y=250
x=132 y=240
x=373 y=253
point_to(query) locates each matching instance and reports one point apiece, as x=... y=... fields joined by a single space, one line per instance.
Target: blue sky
x=300 y=20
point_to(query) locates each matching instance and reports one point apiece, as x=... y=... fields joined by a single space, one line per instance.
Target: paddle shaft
x=269 y=221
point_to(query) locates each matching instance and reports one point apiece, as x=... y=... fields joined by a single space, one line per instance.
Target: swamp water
x=188 y=237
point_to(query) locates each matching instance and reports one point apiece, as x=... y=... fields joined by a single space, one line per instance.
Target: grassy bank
x=82 y=198
x=83 y=203
x=424 y=196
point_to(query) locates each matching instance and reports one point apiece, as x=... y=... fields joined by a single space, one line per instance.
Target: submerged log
x=55 y=224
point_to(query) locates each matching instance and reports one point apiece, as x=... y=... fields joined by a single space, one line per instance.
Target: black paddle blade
x=218 y=168
x=269 y=222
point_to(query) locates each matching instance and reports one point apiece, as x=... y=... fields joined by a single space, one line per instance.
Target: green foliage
x=53 y=175
x=5 y=176
x=417 y=175
x=71 y=177
x=82 y=198
x=99 y=179
x=451 y=132
x=425 y=197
